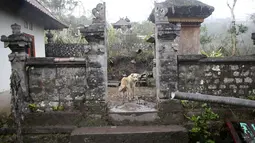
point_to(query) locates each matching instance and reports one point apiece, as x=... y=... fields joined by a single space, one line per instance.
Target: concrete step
x=133 y=113
x=130 y=134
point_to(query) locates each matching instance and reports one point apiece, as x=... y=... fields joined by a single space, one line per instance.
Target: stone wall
x=229 y=76
x=66 y=50
x=51 y=82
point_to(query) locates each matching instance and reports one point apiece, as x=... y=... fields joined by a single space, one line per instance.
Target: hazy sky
x=139 y=10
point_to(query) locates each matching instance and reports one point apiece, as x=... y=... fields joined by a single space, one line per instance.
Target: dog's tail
x=122 y=88
x=123 y=85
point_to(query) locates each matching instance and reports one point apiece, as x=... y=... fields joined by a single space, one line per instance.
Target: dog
x=128 y=85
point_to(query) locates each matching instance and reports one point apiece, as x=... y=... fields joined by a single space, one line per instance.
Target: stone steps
x=130 y=134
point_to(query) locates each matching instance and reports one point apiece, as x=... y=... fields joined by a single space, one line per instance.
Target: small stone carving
x=87 y=50
x=49 y=36
x=99 y=13
x=160 y=13
x=100 y=50
x=253 y=38
x=17 y=42
x=95 y=32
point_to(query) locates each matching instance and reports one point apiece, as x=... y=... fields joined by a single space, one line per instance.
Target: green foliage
x=204 y=36
x=67 y=36
x=190 y=104
x=200 y=131
x=32 y=107
x=57 y=108
x=238 y=29
x=6 y=120
x=143 y=28
x=144 y=56
x=217 y=53
x=60 y=8
x=63 y=9
x=251 y=95
x=253 y=17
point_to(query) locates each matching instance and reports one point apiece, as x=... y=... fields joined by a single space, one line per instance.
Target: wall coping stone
x=40 y=130
x=204 y=59
x=55 y=61
x=190 y=58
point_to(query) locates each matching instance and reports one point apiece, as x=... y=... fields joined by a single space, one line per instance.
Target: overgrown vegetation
x=34 y=108
x=251 y=95
x=58 y=108
x=200 y=131
x=217 y=53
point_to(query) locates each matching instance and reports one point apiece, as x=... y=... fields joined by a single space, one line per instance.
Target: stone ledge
x=130 y=134
x=63 y=118
x=71 y=61
x=51 y=61
x=127 y=130
x=40 y=130
x=204 y=59
x=190 y=58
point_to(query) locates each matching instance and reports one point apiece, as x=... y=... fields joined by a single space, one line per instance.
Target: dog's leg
x=129 y=94
x=133 y=92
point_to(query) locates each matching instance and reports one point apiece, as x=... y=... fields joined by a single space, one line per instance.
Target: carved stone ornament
x=17 y=41
x=99 y=13
x=95 y=32
x=253 y=38
x=168 y=31
x=49 y=36
x=160 y=13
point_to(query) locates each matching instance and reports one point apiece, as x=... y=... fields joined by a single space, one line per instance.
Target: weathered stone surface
x=220 y=77
x=130 y=134
x=166 y=48
x=66 y=50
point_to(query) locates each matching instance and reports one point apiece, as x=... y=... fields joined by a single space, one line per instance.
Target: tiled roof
x=185 y=9
x=122 y=22
x=43 y=9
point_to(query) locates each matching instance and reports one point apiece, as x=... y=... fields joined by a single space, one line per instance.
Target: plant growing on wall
x=217 y=53
x=200 y=131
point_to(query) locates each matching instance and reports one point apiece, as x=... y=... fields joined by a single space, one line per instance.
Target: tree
x=205 y=38
x=253 y=17
x=235 y=29
x=63 y=10
x=60 y=8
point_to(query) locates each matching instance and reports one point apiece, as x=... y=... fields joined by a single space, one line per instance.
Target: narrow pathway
x=5 y=102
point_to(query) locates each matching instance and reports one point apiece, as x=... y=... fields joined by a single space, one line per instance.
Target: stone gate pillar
x=253 y=38
x=166 y=39
x=18 y=43
x=95 y=34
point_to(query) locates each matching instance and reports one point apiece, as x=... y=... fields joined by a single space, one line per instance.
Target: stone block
x=169 y=70
x=228 y=80
x=130 y=134
x=234 y=67
x=248 y=80
x=238 y=80
x=97 y=93
x=245 y=73
x=69 y=72
x=236 y=73
x=94 y=82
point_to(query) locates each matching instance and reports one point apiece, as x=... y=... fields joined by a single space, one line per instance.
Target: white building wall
x=6 y=20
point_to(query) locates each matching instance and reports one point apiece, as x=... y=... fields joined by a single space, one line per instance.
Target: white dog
x=128 y=85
